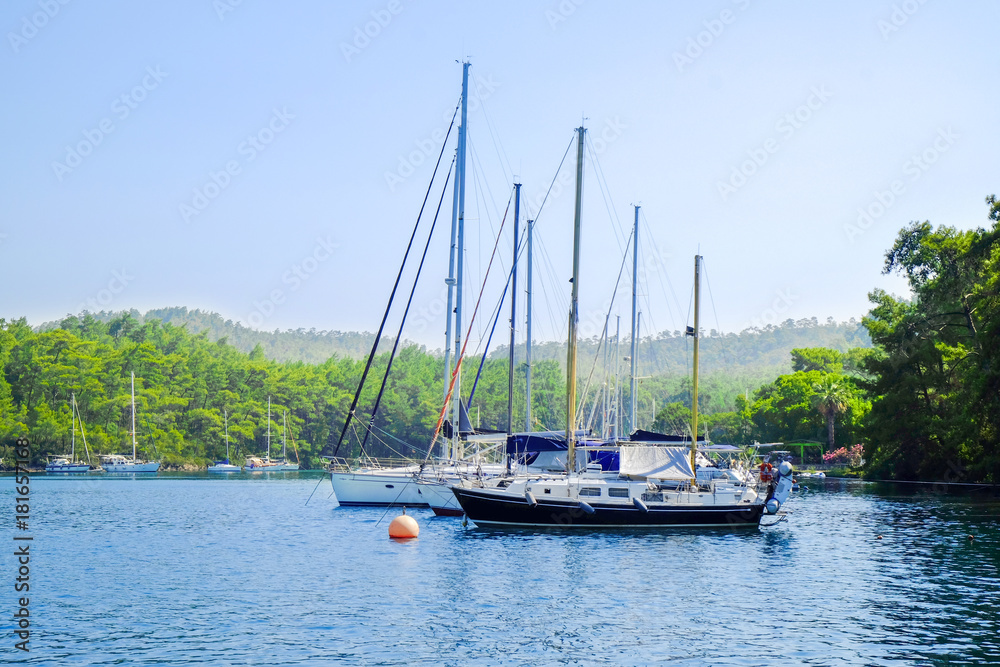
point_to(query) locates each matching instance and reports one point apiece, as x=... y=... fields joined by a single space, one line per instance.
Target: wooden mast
x=574 y=313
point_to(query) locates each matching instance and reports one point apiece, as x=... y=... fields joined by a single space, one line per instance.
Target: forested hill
x=760 y=352
x=310 y=346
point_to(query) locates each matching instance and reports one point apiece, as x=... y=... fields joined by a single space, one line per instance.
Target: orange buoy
x=403 y=527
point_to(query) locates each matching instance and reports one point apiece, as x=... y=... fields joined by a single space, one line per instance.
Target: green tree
x=831 y=397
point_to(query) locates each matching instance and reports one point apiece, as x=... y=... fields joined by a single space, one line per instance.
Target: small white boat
x=224 y=465
x=123 y=463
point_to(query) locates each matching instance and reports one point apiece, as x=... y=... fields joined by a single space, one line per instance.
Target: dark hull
x=484 y=508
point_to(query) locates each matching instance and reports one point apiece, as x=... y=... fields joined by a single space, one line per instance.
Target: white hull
x=404 y=485
x=223 y=467
x=67 y=467
x=140 y=466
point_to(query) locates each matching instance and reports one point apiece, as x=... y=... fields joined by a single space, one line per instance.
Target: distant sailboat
x=283 y=464
x=265 y=464
x=224 y=466
x=123 y=463
x=66 y=463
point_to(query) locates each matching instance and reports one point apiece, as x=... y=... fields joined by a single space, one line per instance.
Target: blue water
x=182 y=570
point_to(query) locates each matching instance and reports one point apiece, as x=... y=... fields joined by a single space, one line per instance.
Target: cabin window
x=590 y=491
x=617 y=492
x=653 y=497
x=389 y=486
x=547 y=491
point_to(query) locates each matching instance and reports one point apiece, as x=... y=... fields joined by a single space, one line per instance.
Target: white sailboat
x=283 y=464
x=263 y=464
x=67 y=463
x=123 y=463
x=225 y=465
x=654 y=485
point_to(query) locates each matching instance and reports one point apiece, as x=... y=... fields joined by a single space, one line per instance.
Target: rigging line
x=477 y=162
x=504 y=161
x=660 y=254
x=607 y=318
x=465 y=343
x=541 y=207
x=602 y=184
x=385 y=316
x=409 y=302
x=482 y=361
x=718 y=327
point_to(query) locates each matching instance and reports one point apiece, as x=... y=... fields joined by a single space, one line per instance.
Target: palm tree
x=831 y=399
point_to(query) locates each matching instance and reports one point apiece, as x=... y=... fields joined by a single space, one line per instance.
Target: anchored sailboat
x=123 y=463
x=224 y=465
x=265 y=464
x=67 y=463
x=655 y=485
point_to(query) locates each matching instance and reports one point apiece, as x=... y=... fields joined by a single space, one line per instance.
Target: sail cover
x=656 y=462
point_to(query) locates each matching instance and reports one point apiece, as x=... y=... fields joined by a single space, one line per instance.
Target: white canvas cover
x=654 y=462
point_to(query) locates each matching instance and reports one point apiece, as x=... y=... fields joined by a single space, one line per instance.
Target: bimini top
x=656 y=462
x=542 y=441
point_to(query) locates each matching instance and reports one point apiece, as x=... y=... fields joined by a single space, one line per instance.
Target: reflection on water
x=190 y=569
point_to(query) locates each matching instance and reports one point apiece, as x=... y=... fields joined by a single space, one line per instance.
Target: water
x=182 y=570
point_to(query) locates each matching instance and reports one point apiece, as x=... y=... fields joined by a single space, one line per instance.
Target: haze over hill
x=763 y=352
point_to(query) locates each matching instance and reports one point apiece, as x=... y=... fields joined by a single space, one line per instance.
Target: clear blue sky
x=753 y=131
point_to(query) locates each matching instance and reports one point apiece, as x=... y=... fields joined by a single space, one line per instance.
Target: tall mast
x=694 y=389
x=513 y=312
x=574 y=313
x=133 y=416
x=268 y=428
x=635 y=320
x=460 y=252
x=605 y=431
x=618 y=384
x=225 y=416
x=72 y=407
x=527 y=330
x=458 y=203
x=284 y=425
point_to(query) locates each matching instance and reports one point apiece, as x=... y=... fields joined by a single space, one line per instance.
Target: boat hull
x=67 y=468
x=364 y=489
x=131 y=467
x=224 y=467
x=486 y=508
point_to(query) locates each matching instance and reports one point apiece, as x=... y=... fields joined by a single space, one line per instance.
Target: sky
x=267 y=161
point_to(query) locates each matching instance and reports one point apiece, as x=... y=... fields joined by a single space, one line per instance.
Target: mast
x=605 y=431
x=694 y=388
x=133 y=416
x=635 y=318
x=574 y=313
x=268 y=428
x=513 y=312
x=225 y=416
x=458 y=204
x=460 y=253
x=618 y=384
x=72 y=441
x=284 y=425
x=527 y=353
